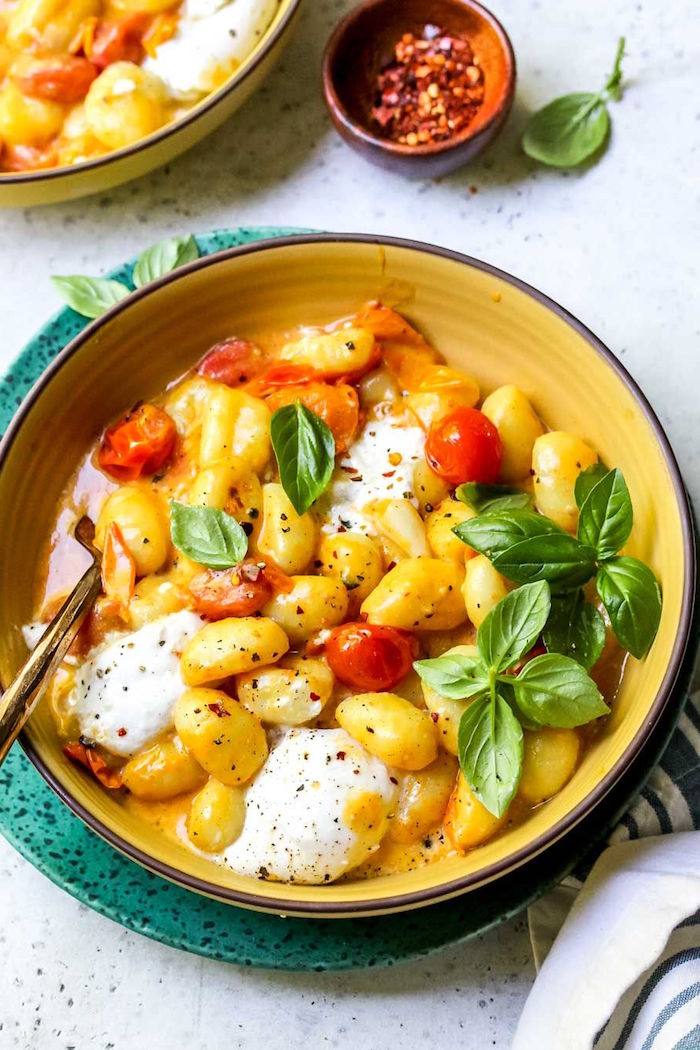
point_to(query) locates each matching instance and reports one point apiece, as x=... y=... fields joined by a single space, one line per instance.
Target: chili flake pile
x=431 y=91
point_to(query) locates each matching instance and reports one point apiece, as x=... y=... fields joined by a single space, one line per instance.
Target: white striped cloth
x=618 y=950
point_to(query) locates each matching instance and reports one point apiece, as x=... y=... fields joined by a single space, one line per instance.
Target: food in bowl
x=326 y=648
x=81 y=78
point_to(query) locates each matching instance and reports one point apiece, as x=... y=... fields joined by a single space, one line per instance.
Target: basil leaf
x=491 y=534
x=90 y=296
x=576 y=629
x=632 y=597
x=605 y=521
x=557 y=558
x=568 y=130
x=163 y=257
x=490 y=744
x=483 y=498
x=454 y=675
x=587 y=480
x=513 y=626
x=556 y=691
x=305 y=452
x=207 y=535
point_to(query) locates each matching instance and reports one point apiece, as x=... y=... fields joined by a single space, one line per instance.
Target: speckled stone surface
x=616 y=243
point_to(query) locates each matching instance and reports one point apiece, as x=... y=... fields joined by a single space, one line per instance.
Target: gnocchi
x=226 y=739
x=557 y=460
x=390 y=728
x=232 y=646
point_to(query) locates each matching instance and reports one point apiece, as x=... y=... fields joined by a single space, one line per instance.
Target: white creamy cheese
x=298 y=807
x=376 y=476
x=213 y=37
x=125 y=691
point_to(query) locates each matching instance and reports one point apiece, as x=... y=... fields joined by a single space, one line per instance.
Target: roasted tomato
x=233 y=362
x=241 y=591
x=57 y=78
x=464 y=446
x=138 y=444
x=117 y=40
x=369 y=657
x=280 y=375
x=93 y=761
x=386 y=324
x=338 y=406
x=118 y=568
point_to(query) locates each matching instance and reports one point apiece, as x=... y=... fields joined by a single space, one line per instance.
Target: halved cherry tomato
x=57 y=78
x=385 y=323
x=370 y=657
x=338 y=406
x=138 y=444
x=117 y=40
x=27 y=158
x=464 y=446
x=278 y=580
x=233 y=362
x=280 y=375
x=93 y=761
x=162 y=28
x=118 y=568
x=239 y=591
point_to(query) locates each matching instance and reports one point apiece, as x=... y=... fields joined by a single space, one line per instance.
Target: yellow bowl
x=92 y=176
x=492 y=325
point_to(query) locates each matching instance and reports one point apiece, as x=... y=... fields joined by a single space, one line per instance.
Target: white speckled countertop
x=617 y=244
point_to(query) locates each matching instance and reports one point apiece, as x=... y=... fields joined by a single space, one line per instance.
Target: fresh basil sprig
x=570 y=129
x=550 y=690
x=305 y=451
x=92 y=296
x=575 y=628
x=481 y=497
x=525 y=547
x=207 y=535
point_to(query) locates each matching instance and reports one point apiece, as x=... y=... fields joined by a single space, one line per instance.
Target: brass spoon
x=20 y=697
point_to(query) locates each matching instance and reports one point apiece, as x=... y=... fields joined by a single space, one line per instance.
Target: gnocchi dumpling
x=124 y=104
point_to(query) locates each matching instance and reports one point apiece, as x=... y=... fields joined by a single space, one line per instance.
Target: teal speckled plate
x=46 y=833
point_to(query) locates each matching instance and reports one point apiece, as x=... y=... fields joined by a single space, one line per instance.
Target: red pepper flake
x=430 y=91
x=300 y=611
x=121 y=731
x=314 y=696
x=434 y=716
x=218 y=709
x=389 y=474
x=393 y=780
x=390 y=566
x=340 y=756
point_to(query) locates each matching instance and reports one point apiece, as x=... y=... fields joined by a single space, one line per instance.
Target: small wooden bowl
x=363 y=43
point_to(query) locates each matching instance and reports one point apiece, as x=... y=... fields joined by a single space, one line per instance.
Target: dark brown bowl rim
x=207 y=103
x=514 y=860
x=361 y=131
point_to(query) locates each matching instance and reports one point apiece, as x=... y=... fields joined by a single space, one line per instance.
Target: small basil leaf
x=90 y=296
x=575 y=628
x=490 y=744
x=163 y=257
x=513 y=626
x=568 y=130
x=454 y=675
x=492 y=533
x=558 y=558
x=207 y=535
x=632 y=597
x=305 y=452
x=587 y=480
x=482 y=498
x=605 y=521
x=556 y=691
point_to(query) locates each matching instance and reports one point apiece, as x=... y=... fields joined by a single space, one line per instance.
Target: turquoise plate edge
x=45 y=832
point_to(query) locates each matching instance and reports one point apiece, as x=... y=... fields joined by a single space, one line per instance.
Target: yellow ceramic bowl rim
x=674 y=671
x=272 y=34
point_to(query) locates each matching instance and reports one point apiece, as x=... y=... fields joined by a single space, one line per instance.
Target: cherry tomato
x=93 y=761
x=138 y=444
x=387 y=324
x=369 y=657
x=281 y=375
x=58 y=78
x=464 y=446
x=233 y=362
x=240 y=591
x=338 y=406
x=117 y=40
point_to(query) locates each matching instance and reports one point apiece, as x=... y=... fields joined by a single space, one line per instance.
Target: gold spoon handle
x=18 y=700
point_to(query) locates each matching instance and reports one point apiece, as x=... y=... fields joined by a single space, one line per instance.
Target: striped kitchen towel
x=618 y=950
